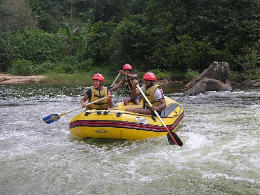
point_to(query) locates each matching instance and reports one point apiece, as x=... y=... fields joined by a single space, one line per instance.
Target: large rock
x=214 y=78
x=254 y=83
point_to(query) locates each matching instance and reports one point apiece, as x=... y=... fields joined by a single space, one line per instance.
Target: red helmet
x=149 y=76
x=98 y=76
x=127 y=67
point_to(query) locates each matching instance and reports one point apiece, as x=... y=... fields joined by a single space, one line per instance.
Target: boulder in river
x=214 y=78
x=254 y=83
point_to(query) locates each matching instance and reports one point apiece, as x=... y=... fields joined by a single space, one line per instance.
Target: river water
x=220 y=155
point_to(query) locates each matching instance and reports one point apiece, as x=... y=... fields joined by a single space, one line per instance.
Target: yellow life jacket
x=96 y=95
x=150 y=96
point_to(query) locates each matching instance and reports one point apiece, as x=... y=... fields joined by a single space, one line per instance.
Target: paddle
x=54 y=117
x=172 y=137
x=115 y=79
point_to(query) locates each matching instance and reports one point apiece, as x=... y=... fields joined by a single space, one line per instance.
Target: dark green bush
x=46 y=67
x=22 y=67
x=190 y=54
x=191 y=74
x=34 y=45
x=169 y=35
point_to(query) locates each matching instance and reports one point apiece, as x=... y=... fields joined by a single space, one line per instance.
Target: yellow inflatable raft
x=117 y=123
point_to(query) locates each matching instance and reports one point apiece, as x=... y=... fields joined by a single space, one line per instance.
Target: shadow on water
x=102 y=142
x=110 y=143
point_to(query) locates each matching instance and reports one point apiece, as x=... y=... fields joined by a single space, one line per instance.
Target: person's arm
x=160 y=107
x=116 y=86
x=135 y=92
x=109 y=100
x=83 y=100
x=132 y=76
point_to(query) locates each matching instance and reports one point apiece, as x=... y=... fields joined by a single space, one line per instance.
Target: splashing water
x=220 y=155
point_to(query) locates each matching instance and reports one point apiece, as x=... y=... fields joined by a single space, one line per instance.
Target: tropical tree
x=16 y=14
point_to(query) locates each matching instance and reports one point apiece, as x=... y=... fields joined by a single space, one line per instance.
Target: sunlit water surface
x=221 y=152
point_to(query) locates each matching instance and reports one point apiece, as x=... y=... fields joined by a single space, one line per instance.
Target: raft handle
x=106 y=112
x=118 y=114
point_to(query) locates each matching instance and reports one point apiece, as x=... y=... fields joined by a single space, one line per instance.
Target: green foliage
x=248 y=59
x=178 y=75
x=132 y=42
x=46 y=67
x=22 y=67
x=173 y=36
x=190 y=54
x=94 y=43
x=79 y=78
x=236 y=76
x=191 y=75
x=15 y=15
x=67 y=65
x=27 y=67
x=247 y=75
x=251 y=75
x=161 y=74
x=48 y=23
x=34 y=45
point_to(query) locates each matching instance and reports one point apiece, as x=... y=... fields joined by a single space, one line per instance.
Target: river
x=220 y=155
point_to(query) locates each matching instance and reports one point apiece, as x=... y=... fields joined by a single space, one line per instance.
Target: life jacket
x=129 y=83
x=96 y=95
x=149 y=93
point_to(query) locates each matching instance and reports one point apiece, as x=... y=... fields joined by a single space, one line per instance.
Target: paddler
x=96 y=92
x=154 y=94
x=128 y=81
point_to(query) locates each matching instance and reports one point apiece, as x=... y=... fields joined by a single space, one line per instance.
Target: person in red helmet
x=154 y=94
x=96 y=92
x=128 y=81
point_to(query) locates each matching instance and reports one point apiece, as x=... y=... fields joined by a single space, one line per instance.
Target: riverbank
x=7 y=79
x=12 y=79
x=60 y=79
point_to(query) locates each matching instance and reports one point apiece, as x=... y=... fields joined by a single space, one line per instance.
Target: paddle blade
x=51 y=118
x=176 y=137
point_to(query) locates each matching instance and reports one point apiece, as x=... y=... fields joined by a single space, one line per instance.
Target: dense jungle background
x=174 y=37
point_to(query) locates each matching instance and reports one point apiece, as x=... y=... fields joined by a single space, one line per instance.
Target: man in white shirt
x=153 y=93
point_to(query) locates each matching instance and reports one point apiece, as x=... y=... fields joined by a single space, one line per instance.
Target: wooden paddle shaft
x=54 y=117
x=146 y=99
x=86 y=105
x=115 y=79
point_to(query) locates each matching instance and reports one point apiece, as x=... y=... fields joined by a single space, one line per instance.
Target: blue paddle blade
x=51 y=118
